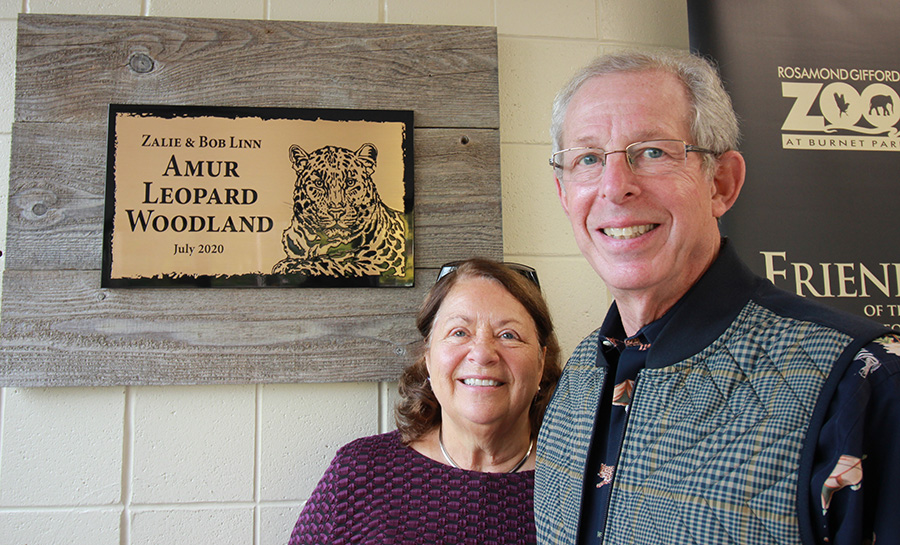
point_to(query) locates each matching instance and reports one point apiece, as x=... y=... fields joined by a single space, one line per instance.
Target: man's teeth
x=480 y=382
x=623 y=233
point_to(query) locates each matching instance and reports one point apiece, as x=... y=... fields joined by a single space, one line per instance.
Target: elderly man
x=710 y=407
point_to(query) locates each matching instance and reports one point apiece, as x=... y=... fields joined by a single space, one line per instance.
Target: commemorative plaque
x=255 y=197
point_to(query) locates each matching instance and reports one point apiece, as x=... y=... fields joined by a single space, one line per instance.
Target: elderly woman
x=460 y=466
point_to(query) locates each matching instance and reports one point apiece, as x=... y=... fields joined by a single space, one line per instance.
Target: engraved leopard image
x=340 y=226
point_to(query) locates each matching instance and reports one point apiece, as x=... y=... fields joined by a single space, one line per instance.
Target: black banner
x=815 y=84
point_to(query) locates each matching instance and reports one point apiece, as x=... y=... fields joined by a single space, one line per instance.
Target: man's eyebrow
x=643 y=136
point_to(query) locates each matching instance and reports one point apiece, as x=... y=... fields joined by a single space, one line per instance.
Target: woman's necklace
x=454 y=464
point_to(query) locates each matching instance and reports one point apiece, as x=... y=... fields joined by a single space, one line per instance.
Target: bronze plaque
x=230 y=197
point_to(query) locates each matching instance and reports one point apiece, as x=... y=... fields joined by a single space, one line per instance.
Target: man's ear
x=561 y=193
x=727 y=182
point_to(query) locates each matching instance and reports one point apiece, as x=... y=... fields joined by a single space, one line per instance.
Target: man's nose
x=618 y=182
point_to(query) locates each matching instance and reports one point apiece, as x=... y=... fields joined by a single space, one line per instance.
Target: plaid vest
x=713 y=445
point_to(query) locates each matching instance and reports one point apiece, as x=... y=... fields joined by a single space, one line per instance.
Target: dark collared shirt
x=624 y=357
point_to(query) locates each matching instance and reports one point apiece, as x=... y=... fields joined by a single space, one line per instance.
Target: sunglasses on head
x=524 y=270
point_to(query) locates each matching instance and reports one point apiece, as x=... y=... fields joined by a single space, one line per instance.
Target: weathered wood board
x=58 y=327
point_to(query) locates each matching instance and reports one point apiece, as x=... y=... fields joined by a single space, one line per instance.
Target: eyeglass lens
x=650 y=158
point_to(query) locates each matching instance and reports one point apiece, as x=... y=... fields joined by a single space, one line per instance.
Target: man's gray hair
x=714 y=124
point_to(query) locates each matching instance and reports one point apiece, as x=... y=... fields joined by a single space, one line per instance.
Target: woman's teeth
x=480 y=382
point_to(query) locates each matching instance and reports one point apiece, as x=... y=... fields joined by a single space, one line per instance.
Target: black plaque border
x=256 y=280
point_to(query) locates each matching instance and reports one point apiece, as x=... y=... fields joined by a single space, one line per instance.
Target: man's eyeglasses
x=585 y=165
x=524 y=270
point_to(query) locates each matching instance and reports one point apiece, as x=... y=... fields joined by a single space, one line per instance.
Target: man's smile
x=625 y=233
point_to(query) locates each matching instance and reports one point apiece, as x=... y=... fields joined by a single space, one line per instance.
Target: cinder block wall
x=234 y=464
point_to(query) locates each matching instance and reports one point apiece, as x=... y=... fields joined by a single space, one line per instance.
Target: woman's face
x=484 y=358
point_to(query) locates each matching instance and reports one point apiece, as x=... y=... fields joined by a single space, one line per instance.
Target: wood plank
x=70 y=67
x=60 y=327
x=57 y=186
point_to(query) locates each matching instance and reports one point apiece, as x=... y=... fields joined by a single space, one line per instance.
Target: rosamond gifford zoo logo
x=840 y=108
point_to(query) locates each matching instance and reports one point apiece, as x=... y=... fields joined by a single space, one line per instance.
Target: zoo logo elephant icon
x=881 y=105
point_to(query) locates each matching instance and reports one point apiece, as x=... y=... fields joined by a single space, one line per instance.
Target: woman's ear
x=543 y=362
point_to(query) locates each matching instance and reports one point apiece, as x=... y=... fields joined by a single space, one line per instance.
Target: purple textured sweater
x=378 y=490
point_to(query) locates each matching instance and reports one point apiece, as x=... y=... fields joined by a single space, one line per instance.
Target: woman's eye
x=653 y=153
x=509 y=335
x=458 y=333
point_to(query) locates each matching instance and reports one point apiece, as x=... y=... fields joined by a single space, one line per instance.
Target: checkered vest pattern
x=712 y=449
